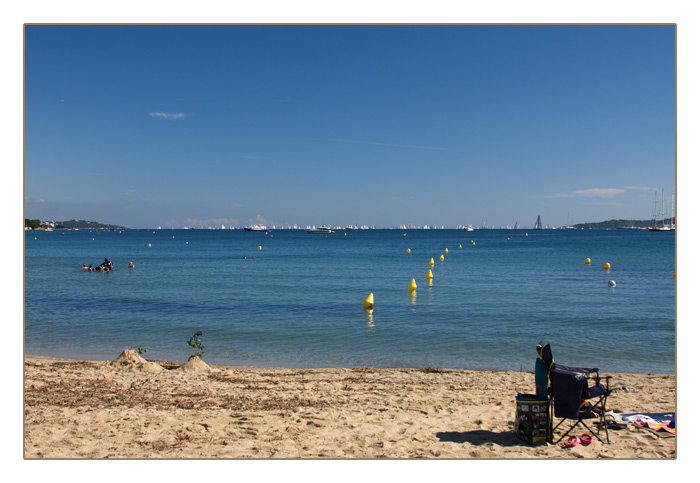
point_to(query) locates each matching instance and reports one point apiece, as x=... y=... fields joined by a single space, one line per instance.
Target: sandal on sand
x=573 y=441
x=612 y=424
x=585 y=439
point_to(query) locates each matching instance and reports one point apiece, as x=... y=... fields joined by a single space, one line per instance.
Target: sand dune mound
x=194 y=364
x=128 y=357
x=130 y=360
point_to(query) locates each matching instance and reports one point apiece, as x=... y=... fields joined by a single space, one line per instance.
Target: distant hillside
x=85 y=225
x=615 y=224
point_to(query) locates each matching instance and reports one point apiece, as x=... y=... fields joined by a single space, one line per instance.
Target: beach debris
x=196 y=343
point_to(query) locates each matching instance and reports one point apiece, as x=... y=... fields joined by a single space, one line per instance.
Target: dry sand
x=131 y=408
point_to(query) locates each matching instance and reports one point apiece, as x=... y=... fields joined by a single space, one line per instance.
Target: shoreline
x=133 y=409
x=34 y=355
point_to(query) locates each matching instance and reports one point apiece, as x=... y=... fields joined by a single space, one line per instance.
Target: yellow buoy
x=588 y=261
x=460 y=246
x=446 y=250
x=345 y=234
x=431 y=262
x=429 y=274
x=404 y=234
x=606 y=266
x=259 y=248
x=442 y=257
x=412 y=285
x=149 y=245
x=408 y=250
x=369 y=301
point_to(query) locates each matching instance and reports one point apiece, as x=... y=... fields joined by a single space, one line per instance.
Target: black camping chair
x=571 y=397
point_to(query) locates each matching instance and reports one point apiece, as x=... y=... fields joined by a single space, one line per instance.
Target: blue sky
x=147 y=126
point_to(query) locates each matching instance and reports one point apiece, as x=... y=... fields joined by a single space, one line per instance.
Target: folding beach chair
x=571 y=398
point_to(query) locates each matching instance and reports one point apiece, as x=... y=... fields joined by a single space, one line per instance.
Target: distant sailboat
x=538 y=224
x=671 y=226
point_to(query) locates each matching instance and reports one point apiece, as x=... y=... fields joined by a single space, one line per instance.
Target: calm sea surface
x=299 y=302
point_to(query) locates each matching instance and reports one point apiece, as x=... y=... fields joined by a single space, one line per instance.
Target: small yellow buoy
x=446 y=250
x=429 y=275
x=404 y=234
x=345 y=234
x=259 y=248
x=412 y=286
x=431 y=262
x=525 y=234
x=149 y=245
x=588 y=261
x=606 y=266
x=442 y=257
x=460 y=246
x=369 y=301
x=408 y=250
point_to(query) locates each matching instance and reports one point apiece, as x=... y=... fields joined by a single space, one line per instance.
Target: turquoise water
x=299 y=302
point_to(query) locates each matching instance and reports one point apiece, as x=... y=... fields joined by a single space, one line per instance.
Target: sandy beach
x=135 y=409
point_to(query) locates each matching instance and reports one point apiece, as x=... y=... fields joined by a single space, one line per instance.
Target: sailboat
x=671 y=226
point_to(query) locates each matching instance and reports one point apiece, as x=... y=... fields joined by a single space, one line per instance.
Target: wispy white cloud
x=641 y=188
x=599 y=192
x=29 y=199
x=167 y=115
x=558 y=195
x=394 y=145
x=590 y=193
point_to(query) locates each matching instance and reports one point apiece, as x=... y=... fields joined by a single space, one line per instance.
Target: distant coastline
x=68 y=225
x=601 y=225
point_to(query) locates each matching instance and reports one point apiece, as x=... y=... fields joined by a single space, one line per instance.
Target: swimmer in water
x=131 y=264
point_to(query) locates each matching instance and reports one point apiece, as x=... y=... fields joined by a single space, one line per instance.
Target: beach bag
x=531 y=418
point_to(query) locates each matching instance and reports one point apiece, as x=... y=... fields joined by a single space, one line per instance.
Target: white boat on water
x=255 y=228
x=468 y=228
x=324 y=229
x=671 y=226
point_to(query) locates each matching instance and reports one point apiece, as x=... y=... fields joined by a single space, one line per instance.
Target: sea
x=288 y=298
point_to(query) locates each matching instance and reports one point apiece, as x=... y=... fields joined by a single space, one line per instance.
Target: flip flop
x=585 y=439
x=573 y=441
x=612 y=424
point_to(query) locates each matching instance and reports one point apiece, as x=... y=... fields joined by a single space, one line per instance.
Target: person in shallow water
x=131 y=264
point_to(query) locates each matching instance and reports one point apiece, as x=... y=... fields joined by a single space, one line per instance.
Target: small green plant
x=196 y=344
